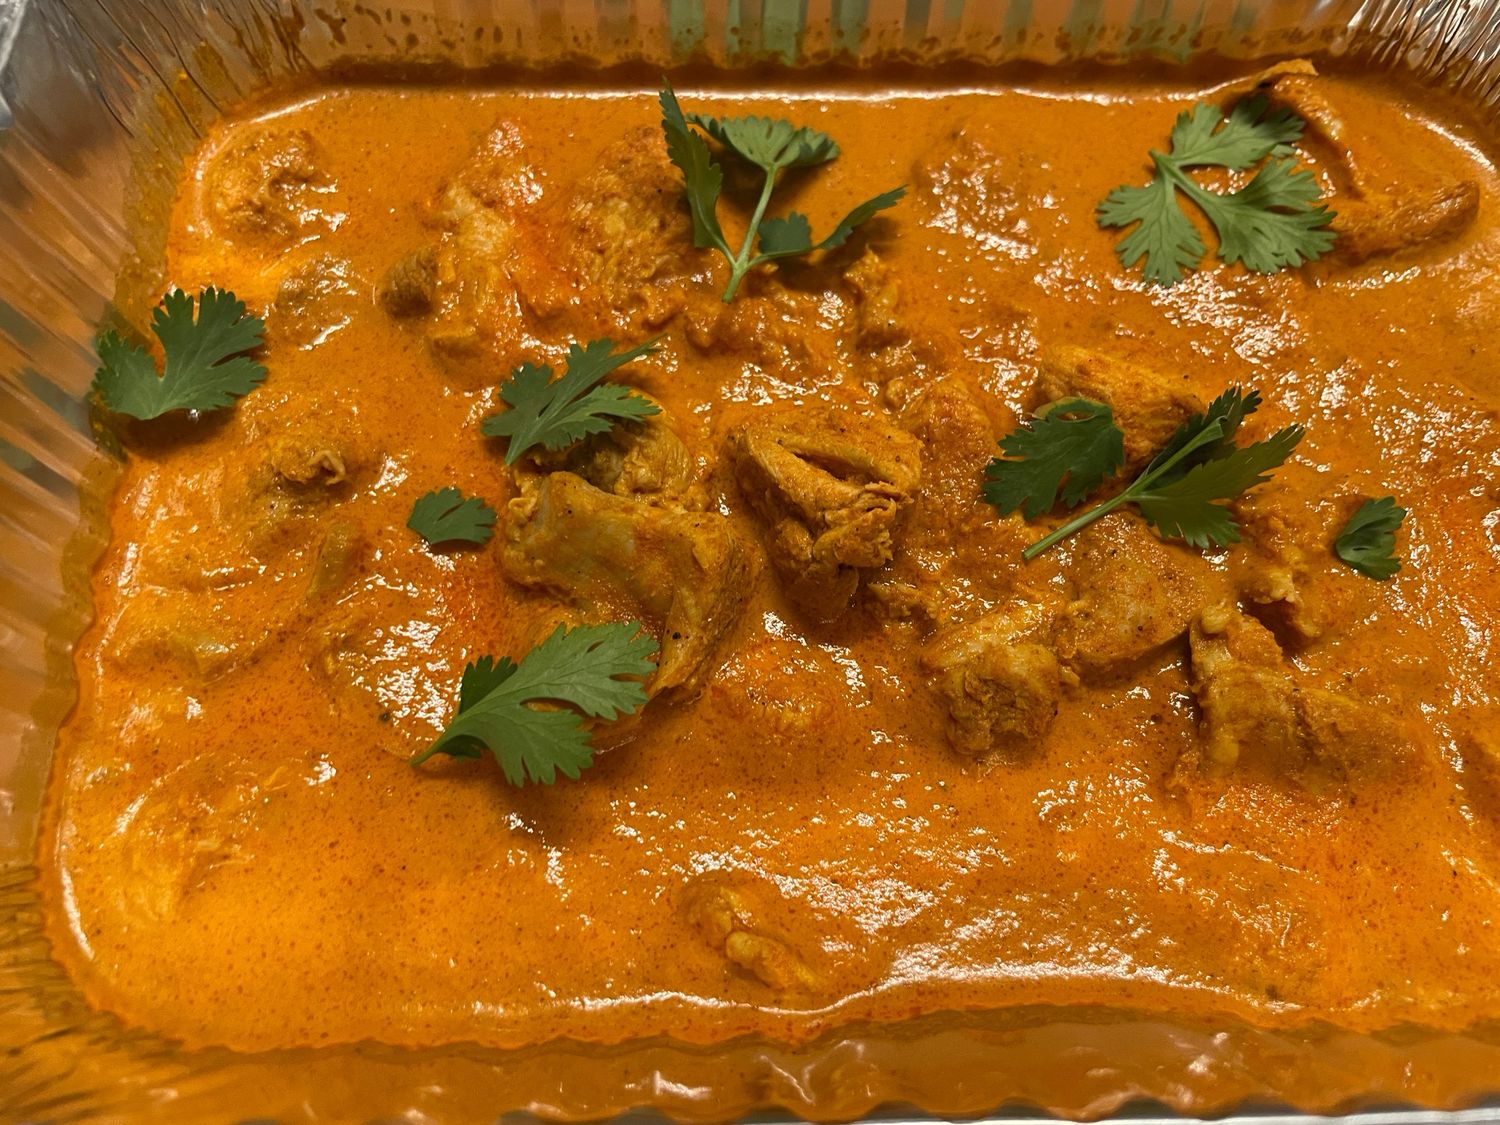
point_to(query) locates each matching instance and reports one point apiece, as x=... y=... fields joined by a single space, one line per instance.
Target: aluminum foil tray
x=100 y=100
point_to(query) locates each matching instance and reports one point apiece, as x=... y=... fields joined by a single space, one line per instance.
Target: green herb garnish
x=1178 y=493
x=1368 y=541
x=1274 y=221
x=206 y=368
x=595 y=670
x=445 y=516
x=772 y=145
x=1071 y=448
x=554 y=413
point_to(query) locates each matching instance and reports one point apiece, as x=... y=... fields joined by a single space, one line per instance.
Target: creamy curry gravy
x=801 y=833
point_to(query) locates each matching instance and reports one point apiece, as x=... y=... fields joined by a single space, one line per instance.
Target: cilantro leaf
x=1271 y=223
x=595 y=671
x=703 y=177
x=1275 y=221
x=554 y=413
x=1210 y=434
x=1071 y=448
x=482 y=677
x=1075 y=446
x=206 y=366
x=772 y=145
x=1184 y=508
x=1249 y=134
x=445 y=516
x=768 y=143
x=785 y=238
x=1368 y=541
x=1167 y=241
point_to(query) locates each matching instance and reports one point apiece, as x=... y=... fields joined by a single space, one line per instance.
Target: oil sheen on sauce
x=240 y=855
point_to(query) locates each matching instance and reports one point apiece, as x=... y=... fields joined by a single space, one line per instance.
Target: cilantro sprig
x=510 y=708
x=1274 y=221
x=554 y=413
x=772 y=145
x=1075 y=445
x=445 y=516
x=1071 y=448
x=1368 y=541
x=206 y=365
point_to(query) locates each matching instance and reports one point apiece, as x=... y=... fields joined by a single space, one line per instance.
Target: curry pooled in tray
x=615 y=563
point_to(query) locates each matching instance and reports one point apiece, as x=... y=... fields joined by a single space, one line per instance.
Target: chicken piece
x=687 y=575
x=497 y=180
x=1148 y=406
x=477 y=303
x=877 y=298
x=785 y=332
x=191 y=634
x=830 y=488
x=1134 y=594
x=410 y=286
x=948 y=525
x=1000 y=683
x=1257 y=717
x=287 y=494
x=339 y=559
x=1246 y=696
x=1386 y=223
x=1375 y=219
x=730 y=912
x=192 y=821
x=958 y=441
x=642 y=459
x=314 y=301
x=630 y=235
x=464 y=288
x=367 y=643
x=1285 y=571
x=308 y=459
x=264 y=189
x=791 y=691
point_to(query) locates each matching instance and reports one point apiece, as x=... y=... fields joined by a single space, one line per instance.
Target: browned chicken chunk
x=1148 y=406
x=643 y=459
x=776 y=328
x=686 y=575
x=1286 y=571
x=1378 y=216
x=1134 y=594
x=410 y=286
x=958 y=441
x=266 y=189
x=629 y=236
x=970 y=184
x=1385 y=223
x=830 y=488
x=876 y=294
x=1258 y=718
x=998 y=679
x=464 y=284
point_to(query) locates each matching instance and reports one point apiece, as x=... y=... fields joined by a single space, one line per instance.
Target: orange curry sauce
x=802 y=833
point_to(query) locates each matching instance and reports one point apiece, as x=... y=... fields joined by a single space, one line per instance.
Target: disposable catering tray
x=99 y=102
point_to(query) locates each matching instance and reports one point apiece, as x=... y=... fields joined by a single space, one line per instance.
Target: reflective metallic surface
x=97 y=103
